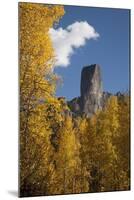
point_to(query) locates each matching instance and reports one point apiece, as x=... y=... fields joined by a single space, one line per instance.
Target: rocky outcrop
x=91 y=89
x=74 y=105
x=92 y=96
x=105 y=97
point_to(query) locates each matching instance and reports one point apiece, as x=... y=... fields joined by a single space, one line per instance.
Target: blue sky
x=110 y=50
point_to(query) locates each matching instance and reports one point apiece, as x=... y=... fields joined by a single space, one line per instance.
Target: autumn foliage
x=59 y=153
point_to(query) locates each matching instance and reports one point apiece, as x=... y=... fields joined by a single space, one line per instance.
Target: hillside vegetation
x=60 y=153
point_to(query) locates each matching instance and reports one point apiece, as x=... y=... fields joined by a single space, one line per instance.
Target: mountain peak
x=91 y=91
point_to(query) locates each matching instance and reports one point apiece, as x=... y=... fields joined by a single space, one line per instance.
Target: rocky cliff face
x=92 y=96
x=91 y=89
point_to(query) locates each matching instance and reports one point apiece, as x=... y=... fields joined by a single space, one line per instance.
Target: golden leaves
x=60 y=153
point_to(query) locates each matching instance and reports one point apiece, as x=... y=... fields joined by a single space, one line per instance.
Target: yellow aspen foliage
x=99 y=148
x=122 y=143
x=66 y=160
x=123 y=140
x=37 y=87
x=110 y=127
x=35 y=152
x=36 y=54
x=82 y=132
x=61 y=153
x=112 y=109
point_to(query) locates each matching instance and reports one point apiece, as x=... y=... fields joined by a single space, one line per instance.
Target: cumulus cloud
x=65 y=41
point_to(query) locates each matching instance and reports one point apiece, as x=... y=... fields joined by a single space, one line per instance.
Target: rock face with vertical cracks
x=91 y=89
x=91 y=98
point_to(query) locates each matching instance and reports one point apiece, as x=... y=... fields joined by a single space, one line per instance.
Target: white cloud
x=66 y=40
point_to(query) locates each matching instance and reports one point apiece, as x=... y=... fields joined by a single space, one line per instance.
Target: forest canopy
x=61 y=153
